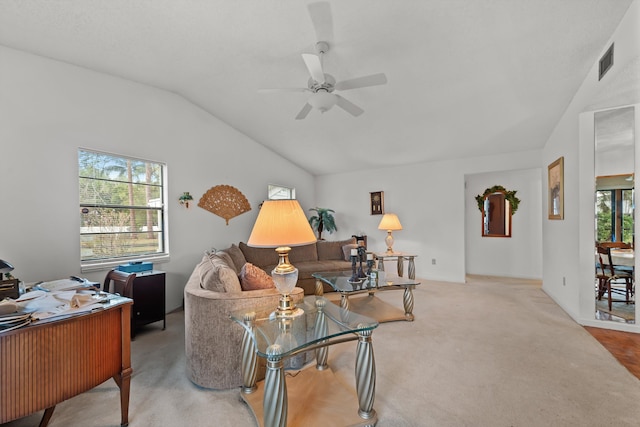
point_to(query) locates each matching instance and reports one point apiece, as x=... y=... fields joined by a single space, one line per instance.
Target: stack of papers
x=43 y=305
x=15 y=320
x=65 y=285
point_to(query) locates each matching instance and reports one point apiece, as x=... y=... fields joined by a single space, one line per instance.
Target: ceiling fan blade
x=314 y=65
x=303 y=113
x=348 y=106
x=358 y=82
x=285 y=89
x=322 y=20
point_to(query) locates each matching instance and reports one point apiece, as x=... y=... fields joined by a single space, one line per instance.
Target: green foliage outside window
x=604 y=217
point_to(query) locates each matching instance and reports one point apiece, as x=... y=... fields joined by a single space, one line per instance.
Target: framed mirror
x=497 y=206
x=615 y=220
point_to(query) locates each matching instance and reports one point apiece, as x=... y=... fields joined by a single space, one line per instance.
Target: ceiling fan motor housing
x=327 y=86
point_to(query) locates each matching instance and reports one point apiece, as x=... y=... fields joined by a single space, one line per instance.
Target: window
x=614 y=215
x=278 y=192
x=122 y=210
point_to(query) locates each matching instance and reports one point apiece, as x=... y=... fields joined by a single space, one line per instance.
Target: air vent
x=606 y=62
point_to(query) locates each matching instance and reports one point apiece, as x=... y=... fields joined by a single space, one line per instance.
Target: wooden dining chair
x=607 y=275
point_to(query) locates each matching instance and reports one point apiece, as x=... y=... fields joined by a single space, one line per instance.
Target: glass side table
x=278 y=339
x=368 y=304
x=400 y=256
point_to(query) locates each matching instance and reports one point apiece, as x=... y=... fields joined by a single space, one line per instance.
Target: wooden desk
x=53 y=360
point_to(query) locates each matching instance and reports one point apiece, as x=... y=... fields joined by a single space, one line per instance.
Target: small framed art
x=377 y=202
x=556 y=189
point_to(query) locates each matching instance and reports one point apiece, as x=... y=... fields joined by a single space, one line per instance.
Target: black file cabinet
x=148 y=294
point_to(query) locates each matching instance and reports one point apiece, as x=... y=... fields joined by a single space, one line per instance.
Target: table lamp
x=389 y=222
x=282 y=224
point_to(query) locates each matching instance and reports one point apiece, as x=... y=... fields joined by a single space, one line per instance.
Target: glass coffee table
x=310 y=397
x=369 y=304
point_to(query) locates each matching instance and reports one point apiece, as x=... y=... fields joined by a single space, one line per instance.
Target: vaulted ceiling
x=464 y=77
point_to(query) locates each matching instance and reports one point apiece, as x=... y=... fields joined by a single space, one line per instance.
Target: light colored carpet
x=490 y=352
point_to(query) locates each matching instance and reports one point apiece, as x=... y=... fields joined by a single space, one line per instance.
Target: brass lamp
x=282 y=224
x=389 y=222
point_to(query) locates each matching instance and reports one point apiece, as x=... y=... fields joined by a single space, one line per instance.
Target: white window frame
x=162 y=255
x=280 y=192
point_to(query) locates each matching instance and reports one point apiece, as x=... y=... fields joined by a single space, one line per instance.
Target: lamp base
x=285 y=277
x=286 y=308
x=389 y=241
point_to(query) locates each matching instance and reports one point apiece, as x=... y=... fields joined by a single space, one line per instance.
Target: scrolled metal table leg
x=319 y=289
x=274 y=402
x=249 y=356
x=344 y=301
x=407 y=301
x=365 y=375
x=412 y=268
x=322 y=353
x=400 y=265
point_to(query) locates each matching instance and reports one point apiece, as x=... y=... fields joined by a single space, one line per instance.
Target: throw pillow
x=346 y=251
x=224 y=256
x=237 y=256
x=216 y=275
x=253 y=278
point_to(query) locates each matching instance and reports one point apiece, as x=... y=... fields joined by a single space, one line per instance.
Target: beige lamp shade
x=281 y=223
x=390 y=222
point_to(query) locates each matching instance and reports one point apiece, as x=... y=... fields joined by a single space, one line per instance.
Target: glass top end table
x=280 y=338
x=369 y=305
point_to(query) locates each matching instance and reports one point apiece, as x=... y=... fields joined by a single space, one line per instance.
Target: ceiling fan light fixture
x=322 y=100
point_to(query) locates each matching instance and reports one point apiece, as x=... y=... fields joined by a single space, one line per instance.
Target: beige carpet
x=491 y=352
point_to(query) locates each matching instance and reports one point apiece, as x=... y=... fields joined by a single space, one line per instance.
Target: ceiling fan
x=321 y=85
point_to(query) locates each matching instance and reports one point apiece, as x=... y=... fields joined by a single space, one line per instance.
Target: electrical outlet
x=433 y=261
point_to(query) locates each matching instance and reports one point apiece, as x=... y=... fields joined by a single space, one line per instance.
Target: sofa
x=320 y=256
x=233 y=279
x=213 y=342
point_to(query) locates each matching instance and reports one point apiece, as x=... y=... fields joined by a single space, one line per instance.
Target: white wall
x=429 y=198
x=568 y=244
x=521 y=254
x=49 y=109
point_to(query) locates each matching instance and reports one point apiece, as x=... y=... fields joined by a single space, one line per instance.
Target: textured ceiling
x=465 y=77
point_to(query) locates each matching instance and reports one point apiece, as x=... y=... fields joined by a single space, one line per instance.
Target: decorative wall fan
x=322 y=86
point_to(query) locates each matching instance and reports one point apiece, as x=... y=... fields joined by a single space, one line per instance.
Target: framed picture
x=377 y=202
x=556 y=189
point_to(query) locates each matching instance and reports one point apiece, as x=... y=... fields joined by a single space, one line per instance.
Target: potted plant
x=323 y=221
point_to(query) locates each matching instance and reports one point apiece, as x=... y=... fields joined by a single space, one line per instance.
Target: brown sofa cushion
x=303 y=253
x=332 y=250
x=253 y=278
x=259 y=256
x=216 y=275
